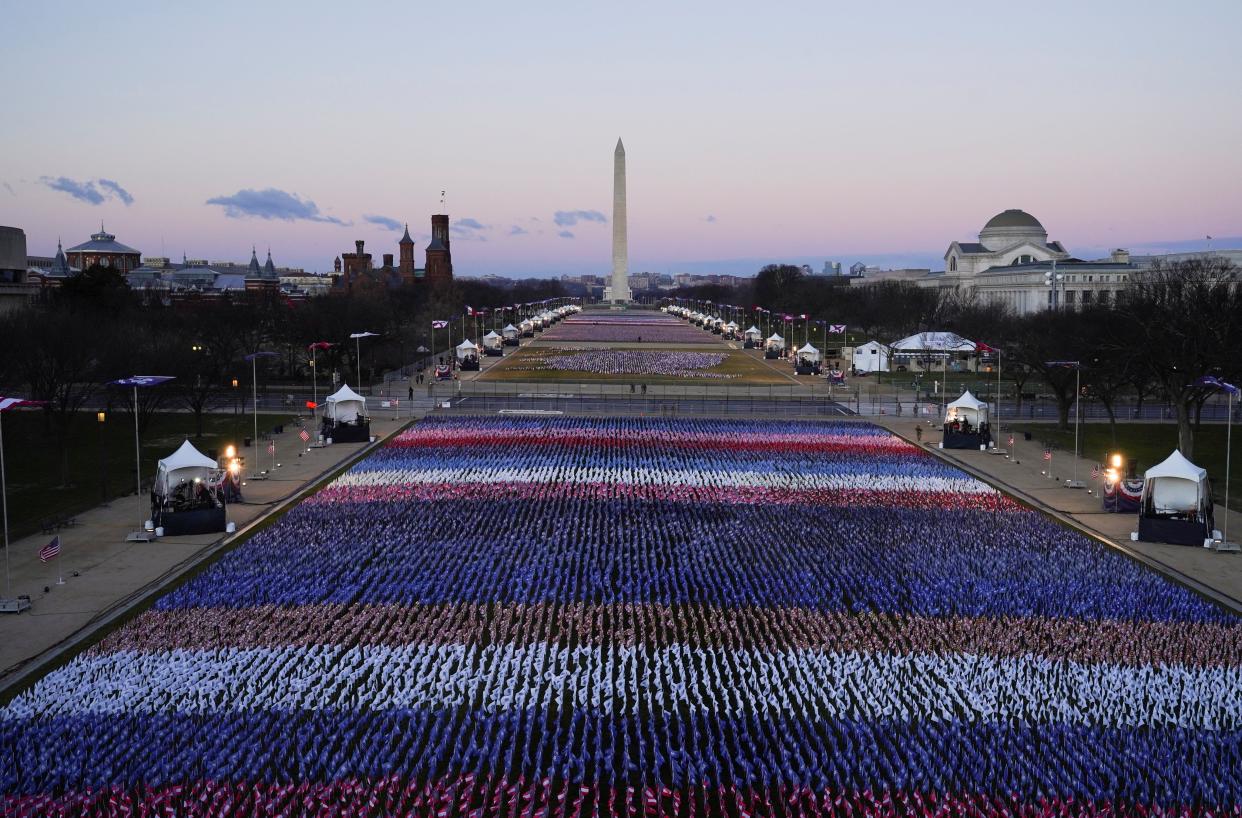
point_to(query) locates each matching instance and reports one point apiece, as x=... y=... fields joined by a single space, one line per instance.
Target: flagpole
x=998 y=395
x=4 y=499
x=1224 y=535
x=254 y=399
x=1077 y=415
x=314 y=379
x=138 y=465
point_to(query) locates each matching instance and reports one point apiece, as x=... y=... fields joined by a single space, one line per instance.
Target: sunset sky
x=754 y=133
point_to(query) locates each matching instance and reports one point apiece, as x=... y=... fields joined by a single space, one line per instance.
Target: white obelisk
x=620 y=254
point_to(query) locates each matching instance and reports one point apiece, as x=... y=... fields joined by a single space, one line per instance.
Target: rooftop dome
x=1013 y=218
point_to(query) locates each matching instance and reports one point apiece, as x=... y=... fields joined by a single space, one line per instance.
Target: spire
x=253 y=272
x=269 y=269
x=620 y=147
x=406 y=238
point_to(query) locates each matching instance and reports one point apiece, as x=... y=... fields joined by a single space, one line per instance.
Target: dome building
x=1009 y=237
x=1015 y=264
x=103 y=249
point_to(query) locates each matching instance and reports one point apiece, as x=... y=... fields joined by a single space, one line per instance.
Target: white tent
x=510 y=331
x=183 y=465
x=492 y=340
x=527 y=326
x=345 y=405
x=776 y=342
x=809 y=353
x=1175 y=486
x=465 y=349
x=753 y=334
x=967 y=408
x=934 y=342
x=871 y=357
x=731 y=326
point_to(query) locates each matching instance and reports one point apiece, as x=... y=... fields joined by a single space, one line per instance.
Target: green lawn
x=1149 y=443
x=33 y=464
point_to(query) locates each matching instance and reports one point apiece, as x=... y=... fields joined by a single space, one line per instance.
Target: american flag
x=271 y=446
x=1095 y=472
x=305 y=435
x=439 y=324
x=50 y=550
x=836 y=329
x=1047 y=454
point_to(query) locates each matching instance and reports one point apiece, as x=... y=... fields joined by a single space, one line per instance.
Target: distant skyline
x=814 y=131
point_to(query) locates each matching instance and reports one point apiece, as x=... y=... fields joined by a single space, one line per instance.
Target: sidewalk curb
x=1157 y=565
x=18 y=677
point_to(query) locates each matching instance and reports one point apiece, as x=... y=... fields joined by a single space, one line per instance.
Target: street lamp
x=134 y=382
x=100 y=418
x=1053 y=279
x=254 y=392
x=358 y=336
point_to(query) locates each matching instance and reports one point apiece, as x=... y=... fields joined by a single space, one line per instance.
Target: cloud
x=515 y=230
x=565 y=234
x=117 y=191
x=384 y=222
x=271 y=204
x=82 y=191
x=568 y=218
x=710 y=219
x=469 y=229
x=9 y=188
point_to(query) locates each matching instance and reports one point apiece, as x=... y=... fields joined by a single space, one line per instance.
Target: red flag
x=984 y=348
x=319 y=345
x=310 y=404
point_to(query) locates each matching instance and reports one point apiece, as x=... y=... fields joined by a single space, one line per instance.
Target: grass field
x=1149 y=443
x=748 y=370
x=33 y=464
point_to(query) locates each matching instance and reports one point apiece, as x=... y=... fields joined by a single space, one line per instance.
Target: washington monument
x=620 y=255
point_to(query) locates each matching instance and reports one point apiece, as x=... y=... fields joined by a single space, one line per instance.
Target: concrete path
x=103 y=573
x=1024 y=474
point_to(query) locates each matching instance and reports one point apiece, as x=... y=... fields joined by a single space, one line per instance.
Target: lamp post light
x=358 y=336
x=101 y=418
x=1052 y=280
x=134 y=382
x=254 y=392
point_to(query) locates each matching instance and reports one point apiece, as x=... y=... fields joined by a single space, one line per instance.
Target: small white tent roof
x=466 y=346
x=934 y=341
x=731 y=325
x=776 y=337
x=187 y=457
x=491 y=334
x=1176 y=465
x=968 y=401
x=509 y=328
x=344 y=394
x=754 y=331
x=808 y=348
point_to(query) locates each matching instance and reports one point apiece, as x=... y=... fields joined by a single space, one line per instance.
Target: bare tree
x=1184 y=321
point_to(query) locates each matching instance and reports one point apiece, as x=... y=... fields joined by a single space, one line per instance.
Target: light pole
x=100 y=418
x=254 y=393
x=8 y=604
x=135 y=382
x=1052 y=279
x=315 y=347
x=358 y=336
x=1230 y=390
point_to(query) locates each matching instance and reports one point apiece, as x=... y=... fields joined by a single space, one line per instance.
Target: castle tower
x=406 y=264
x=439 y=257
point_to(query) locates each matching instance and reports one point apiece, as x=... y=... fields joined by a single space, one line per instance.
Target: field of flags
x=670 y=363
x=627 y=327
x=641 y=617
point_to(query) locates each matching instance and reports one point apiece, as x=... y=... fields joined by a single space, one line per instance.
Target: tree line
x=64 y=347
x=1173 y=324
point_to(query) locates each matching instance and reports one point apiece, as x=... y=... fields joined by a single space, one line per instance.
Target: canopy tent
x=776 y=342
x=492 y=340
x=527 y=326
x=1176 y=505
x=967 y=408
x=871 y=357
x=753 y=334
x=466 y=349
x=510 y=331
x=934 y=342
x=182 y=466
x=732 y=325
x=346 y=406
x=809 y=353
x=1175 y=486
